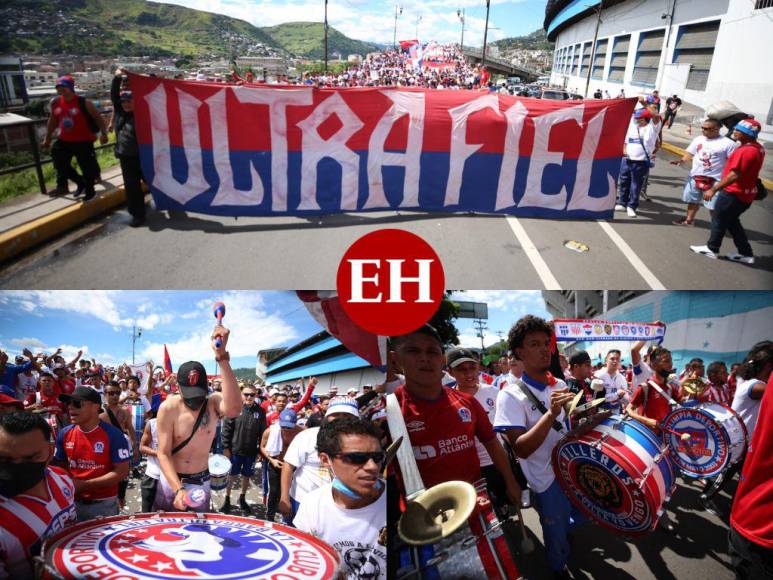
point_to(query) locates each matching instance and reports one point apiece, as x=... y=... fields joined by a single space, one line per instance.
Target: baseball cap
x=66 y=81
x=642 y=114
x=288 y=418
x=458 y=356
x=7 y=400
x=45 y=371
x=351 y=390
x=750 y=127
x=343 y=405
x=82 y=394
x=192 y=374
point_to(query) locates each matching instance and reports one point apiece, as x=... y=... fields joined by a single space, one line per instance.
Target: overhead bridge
x=499 y=65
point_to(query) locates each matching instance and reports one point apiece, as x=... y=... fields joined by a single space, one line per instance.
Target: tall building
x=13 y=90
x=702 y=50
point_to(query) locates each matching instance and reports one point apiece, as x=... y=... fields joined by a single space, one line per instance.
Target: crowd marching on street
x=72 y=434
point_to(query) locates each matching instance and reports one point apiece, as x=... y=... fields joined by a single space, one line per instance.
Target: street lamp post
x=418 y=19
x=398 y=11
x=136 y=333
x=460 y=14
x=485 y=35
x=325 y=35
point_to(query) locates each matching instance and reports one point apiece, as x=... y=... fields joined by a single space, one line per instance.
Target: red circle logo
x=390 y=282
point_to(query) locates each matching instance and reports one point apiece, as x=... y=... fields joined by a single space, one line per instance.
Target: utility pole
x=480 y=326
x=136 y=333
x=670 y=17
x=418 y=19
x=394 y=40
x=485 y=35
x=325 y=35
x=593 y=48
x=460 y=15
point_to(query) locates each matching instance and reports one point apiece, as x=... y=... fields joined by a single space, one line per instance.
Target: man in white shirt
x=640 y=145
x=642 y=372
x=350 y=513
x=709 y=153
x=755 y=371
x=615 y=385
x=533 y=433
x=514 y=373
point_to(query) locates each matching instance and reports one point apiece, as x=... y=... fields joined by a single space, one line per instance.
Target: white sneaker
x=739 y=258
x=631 y=212
x=704 y=250
x=619 y=207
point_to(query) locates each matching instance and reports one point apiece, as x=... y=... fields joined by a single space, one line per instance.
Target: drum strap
x=203 y=410
x=406 y=459
x=113 y=418
x=662 y=393
x=537 y=403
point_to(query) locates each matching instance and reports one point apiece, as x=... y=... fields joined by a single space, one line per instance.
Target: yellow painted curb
x=33 y=233
x=679 y=151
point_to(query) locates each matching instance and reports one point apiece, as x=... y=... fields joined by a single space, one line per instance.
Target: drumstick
x=219 y=311
x=683 y=436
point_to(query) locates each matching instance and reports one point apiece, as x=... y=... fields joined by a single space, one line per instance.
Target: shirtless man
x=185 y=475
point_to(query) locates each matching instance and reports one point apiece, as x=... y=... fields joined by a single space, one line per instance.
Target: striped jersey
x=26 y=521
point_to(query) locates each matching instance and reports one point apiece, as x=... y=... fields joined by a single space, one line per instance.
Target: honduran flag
x=328 y=312
x=167 y=362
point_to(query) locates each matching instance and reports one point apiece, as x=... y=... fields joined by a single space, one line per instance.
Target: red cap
x=8 y=400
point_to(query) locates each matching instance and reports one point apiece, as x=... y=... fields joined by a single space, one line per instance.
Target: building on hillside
x=264 y=66
x=321 y=356
x=704 y=51
x=715 y=326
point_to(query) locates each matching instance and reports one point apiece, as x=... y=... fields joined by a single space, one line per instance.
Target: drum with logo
x=717 y=438
x=168 y=545
x=617 y=472
x=219 y=468
x=137 y=412
x=477 y=550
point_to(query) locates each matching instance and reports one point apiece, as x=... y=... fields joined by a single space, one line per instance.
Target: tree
x=443 y=320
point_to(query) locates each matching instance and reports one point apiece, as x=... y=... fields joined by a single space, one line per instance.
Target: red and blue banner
x=296 y=150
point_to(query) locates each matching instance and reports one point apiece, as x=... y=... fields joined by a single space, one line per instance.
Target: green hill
x=308 y=39
x=536 y=40
x=140 y=28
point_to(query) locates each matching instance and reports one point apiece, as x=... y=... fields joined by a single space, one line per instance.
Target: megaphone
x=437 y=513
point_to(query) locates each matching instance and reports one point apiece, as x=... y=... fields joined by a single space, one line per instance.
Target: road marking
x=632 y=257
x=548 y=280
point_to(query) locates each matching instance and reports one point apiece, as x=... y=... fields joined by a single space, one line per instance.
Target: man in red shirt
x=751 y=520
x=95 y=453
x=735 y=193
x=647 y=405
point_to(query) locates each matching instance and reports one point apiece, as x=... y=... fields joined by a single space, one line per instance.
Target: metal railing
x=38 y=162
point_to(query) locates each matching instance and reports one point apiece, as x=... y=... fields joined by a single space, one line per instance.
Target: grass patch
x=21 y=182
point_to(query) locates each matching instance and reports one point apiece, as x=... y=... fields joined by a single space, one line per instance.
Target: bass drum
x=617 y=472
x=168 y=545
x=718 y=438
x=219 y=468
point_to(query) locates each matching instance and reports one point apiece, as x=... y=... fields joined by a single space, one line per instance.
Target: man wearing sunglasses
x=350 y=513
x=118 y=416
x=241 y=436
x=94 y=452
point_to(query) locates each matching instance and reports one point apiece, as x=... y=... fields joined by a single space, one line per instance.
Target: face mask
x=16 y=478
x=191 y=400
x=664 y=373
x=348 y=491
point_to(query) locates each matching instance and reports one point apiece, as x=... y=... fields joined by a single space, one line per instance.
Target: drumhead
x=186 y=545
x=219 y=465
x=707 y=452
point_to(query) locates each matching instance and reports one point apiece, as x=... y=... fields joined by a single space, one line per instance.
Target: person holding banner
x=186 y=429
x=640 y=146
x=530 y=413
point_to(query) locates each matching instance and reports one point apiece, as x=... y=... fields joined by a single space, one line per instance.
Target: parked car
x=555 y=95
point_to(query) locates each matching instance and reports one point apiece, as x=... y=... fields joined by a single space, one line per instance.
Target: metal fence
x=38 y=161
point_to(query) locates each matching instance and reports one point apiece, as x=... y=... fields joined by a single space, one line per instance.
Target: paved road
x=478 y=252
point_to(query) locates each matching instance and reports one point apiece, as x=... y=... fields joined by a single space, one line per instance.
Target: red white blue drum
x=219 y=468
x=618 y=473
x=163 y=546
x=718 y=438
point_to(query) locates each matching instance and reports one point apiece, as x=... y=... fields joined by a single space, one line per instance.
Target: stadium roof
x=561 y=13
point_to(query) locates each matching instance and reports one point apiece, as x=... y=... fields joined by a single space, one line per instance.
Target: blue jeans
x=727 y=217
x=556 y=516
x=631 y=182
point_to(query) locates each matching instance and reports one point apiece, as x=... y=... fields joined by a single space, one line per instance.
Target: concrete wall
x=742 y=66
x=346 y=379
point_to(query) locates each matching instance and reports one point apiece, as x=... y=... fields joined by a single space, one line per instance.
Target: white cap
x=342 y=405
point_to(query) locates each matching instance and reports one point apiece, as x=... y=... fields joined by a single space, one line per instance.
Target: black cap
x=458 y=356
x=82 y=394
x=192 y=374
x=579 y=358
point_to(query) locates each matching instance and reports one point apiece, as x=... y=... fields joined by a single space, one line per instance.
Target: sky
x=374 y=20
x=100 y=322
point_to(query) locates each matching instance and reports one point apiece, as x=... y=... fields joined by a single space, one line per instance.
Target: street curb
x=33 y=233
x=679 y=151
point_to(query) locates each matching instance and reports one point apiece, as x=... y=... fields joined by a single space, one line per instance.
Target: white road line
x=548 y=280
x=632 y=257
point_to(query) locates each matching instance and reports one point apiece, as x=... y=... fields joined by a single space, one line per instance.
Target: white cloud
x=69 y=351
x=471 y=340
x=514 y=301
x=252 y=328
x=33 y=344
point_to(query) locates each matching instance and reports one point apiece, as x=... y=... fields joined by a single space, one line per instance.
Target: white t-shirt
x=612 y=384
x=309 y=471
x=354 y=533
x=710 y=155
x=26 y=385
x=745 y=406
x=487 y=397
x=152 y=467
x=641 y=373
x=515 y=410
x=649 y=136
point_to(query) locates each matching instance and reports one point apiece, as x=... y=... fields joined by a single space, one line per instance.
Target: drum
x=718 y=438
x=617 y=472
x=185 y=545
x=219 y=468
x=138 y=422
x=477 y=550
